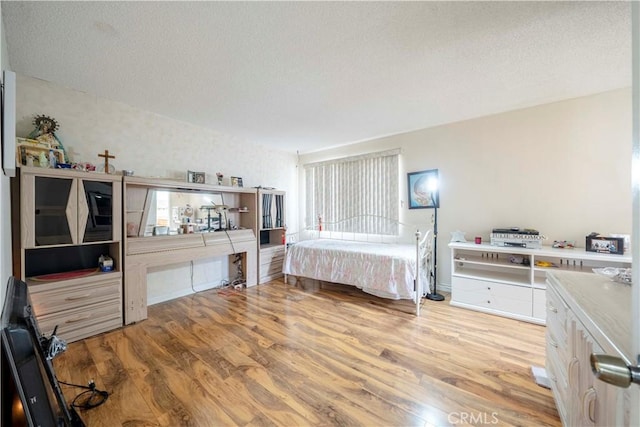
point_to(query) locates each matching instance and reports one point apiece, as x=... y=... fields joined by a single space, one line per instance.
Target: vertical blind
x=351 y=187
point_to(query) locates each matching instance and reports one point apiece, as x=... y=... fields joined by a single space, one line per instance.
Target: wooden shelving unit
x=506 y=280
x=65 y=221
x=272 y=226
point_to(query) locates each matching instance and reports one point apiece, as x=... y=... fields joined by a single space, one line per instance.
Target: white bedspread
x=384 y=270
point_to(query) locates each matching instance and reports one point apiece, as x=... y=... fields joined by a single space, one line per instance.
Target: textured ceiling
x=311 y=75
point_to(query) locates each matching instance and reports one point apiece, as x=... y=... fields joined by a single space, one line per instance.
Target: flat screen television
x=31 y=395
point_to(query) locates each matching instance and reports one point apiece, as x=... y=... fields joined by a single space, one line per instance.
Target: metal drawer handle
x=77 y=297
x=78 y=319
x=552 y=308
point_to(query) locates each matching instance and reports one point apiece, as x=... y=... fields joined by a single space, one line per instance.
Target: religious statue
x=45 y=132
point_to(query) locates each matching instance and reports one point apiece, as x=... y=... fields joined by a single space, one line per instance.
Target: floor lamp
x=434 y=296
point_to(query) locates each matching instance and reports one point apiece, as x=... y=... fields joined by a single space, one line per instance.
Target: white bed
x=378 y=265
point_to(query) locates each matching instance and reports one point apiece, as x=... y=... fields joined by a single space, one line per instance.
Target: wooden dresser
x=587 y=313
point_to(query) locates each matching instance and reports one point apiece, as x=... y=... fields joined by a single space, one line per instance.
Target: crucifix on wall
x=106 y=160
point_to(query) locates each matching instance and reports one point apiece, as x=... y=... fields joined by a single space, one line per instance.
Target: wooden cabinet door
x=49 y=211
x=99 y=203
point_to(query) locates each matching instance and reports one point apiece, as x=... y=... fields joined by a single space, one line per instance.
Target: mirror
x=166 y=211
x=181 y=212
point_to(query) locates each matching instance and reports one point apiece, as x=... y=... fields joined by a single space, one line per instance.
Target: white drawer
x=496 y=296
x=539 y=304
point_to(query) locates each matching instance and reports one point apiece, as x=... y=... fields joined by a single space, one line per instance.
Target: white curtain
x=350 y=187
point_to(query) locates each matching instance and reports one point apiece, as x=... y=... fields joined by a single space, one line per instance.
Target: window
x=350 y=187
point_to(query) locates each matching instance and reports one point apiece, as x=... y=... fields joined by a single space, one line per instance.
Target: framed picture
x=236 y=181
x=195 y=177
x=423 y=189
x=607 y=245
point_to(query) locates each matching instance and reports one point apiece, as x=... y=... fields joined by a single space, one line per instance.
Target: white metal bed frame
x=423 y=243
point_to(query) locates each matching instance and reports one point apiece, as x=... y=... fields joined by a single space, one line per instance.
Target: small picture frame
x=605 y=245
x=196 y=177
x=236 y=181
x=423 y=189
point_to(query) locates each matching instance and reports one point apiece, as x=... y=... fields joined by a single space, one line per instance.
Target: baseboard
x=446 y=287
x=181 y=293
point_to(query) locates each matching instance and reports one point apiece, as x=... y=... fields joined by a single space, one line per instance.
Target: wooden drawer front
x=496 y=296
x=556 y=371
x=267 y=255
x=556 y=315
x=271 y=260
x=59 y=297
x=83 y=322
x=271 y=268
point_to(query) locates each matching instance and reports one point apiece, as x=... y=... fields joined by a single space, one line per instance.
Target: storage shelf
x=497 y=262
x=498 y=277
x=59 y=262
x=577 y=268
x=484 y=263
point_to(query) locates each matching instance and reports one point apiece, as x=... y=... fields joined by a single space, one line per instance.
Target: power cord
x=90 y=398
x=231 y=241
x=191 y=277
x=238 y=282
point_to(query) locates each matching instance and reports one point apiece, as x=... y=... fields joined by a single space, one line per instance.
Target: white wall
x=154 y=145
x=562 y=168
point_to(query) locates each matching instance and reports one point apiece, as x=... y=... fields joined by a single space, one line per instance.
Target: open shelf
x=500 y=261
x=498 y=277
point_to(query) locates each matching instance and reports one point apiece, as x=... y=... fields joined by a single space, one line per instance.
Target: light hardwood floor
x=280 y=355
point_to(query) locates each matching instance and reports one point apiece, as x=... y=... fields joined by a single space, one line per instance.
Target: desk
x=145 y=252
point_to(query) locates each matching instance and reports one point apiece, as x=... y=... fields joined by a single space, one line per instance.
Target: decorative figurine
x=43 y=162
x=219 y=175
x=458 y=236
x=45 y=131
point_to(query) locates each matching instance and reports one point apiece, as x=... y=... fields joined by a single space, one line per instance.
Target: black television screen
x=36 y=399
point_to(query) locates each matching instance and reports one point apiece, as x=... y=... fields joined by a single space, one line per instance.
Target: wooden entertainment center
x=64 y=220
